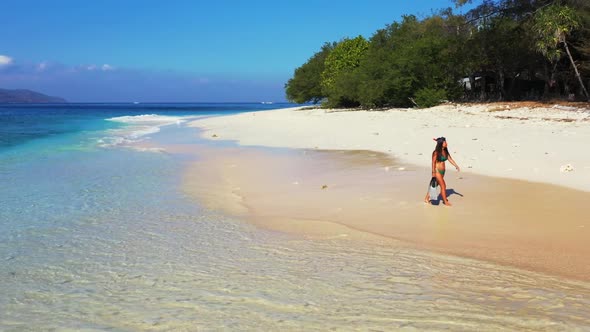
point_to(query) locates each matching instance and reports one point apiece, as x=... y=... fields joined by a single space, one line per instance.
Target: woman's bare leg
x=443 y=188
x=427 y=198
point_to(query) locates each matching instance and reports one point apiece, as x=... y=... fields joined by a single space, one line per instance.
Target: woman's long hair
x=439 y=147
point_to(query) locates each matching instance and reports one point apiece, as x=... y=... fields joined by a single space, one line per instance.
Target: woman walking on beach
x=439 y=156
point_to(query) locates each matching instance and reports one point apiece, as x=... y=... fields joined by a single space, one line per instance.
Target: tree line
x=499 y=50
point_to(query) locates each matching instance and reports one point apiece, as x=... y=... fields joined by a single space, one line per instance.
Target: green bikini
x=441 y=158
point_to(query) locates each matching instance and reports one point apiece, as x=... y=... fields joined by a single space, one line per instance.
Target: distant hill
x=27 y=96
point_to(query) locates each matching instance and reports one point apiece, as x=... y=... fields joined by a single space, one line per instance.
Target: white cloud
x=91 y=67
x=5 y=60
x=107 y=67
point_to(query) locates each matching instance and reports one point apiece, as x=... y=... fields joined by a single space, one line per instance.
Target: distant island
x=23 y=96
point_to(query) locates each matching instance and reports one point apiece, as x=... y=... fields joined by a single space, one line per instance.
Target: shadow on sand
x=450 y=192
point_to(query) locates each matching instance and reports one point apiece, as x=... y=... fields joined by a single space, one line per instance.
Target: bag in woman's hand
x=432 y=191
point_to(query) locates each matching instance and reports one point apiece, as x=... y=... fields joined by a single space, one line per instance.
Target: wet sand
x=538 y=227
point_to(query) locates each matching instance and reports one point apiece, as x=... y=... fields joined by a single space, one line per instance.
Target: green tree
x=339 y=65
x=383 y=72
x=305 y=86
x=553 y=24
x=406 y=57
x=506 y=43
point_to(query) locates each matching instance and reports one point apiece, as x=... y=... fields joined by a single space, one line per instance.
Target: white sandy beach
x=534 y=144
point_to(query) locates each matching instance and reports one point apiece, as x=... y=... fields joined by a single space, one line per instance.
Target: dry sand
x=532 y=144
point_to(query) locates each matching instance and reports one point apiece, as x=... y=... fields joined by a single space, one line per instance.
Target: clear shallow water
x=99 y=237
x=25 y=122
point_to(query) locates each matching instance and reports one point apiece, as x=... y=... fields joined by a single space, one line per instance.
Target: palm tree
x=553 y=24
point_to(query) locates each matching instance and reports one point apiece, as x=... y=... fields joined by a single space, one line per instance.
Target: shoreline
x=518 y=222
x=369 y=195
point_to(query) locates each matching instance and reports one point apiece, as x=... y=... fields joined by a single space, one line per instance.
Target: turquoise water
x=22 y=123
x=51 y=156
x=97 y=236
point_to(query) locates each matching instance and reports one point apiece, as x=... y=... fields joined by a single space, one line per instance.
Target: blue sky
x=182 y=51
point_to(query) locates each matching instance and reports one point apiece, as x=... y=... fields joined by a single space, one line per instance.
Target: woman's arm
x=454 y=163
x=433 y=162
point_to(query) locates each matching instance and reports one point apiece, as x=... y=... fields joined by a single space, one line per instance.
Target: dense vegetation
x=500 y=50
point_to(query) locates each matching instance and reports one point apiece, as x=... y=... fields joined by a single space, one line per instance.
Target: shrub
x=428 y=97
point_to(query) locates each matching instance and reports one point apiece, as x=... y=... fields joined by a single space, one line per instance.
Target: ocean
x=95 y=236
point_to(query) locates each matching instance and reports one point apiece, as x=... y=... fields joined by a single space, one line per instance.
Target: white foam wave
x=137 y=128
x=149 y=118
